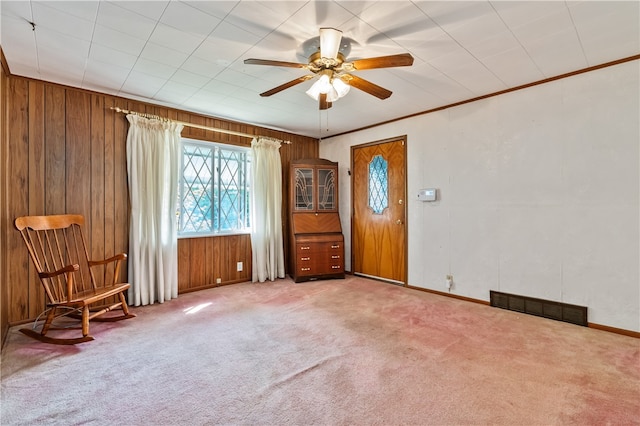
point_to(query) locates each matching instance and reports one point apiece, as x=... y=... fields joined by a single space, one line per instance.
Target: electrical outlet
x=239 y=268
x=449 y=282
x=218 y=280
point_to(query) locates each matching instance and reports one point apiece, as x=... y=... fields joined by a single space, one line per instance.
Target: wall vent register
x=543 y=308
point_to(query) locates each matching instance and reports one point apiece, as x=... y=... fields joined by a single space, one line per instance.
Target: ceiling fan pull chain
x=327 y=121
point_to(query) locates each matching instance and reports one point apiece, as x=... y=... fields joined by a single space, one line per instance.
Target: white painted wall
x=539 y=193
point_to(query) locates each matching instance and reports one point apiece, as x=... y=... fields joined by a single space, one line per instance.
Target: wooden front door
x=378 y=188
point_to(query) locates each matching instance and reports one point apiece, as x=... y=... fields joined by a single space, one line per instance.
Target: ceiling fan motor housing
x=317 y=63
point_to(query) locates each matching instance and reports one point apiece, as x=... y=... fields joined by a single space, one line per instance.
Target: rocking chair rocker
x=58 y=250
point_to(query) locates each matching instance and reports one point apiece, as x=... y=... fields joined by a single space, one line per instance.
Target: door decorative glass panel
x=304 y=189
x=326 y=189
x=378 y=184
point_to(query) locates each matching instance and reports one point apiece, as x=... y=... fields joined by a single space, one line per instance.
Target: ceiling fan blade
x=330 y=39
x=286 y=85
x=323 y=101
x=274 y=63
x=366 y=86
x=401 y=60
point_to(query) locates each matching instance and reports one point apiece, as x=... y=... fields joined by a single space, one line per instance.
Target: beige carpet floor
x=339 y=352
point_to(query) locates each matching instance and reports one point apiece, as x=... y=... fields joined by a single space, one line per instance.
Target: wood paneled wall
x=67 y=155
x=4 y=164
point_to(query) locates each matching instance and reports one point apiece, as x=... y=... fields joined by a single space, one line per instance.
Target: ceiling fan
x=334 y=71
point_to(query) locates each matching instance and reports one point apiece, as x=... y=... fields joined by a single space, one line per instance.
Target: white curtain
x=153 y=164
x=266 y=210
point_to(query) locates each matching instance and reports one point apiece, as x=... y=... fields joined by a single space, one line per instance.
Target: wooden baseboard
x=205 y=287
x=453 y=296
x=21 y=322
x=607 y=328
x=615 y=330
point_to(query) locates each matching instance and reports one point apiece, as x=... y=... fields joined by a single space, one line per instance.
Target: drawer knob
x=335 y=267
x=335 y=246
x=335 y=257
x=305 y=269
x=305 y=258
x=305 y=248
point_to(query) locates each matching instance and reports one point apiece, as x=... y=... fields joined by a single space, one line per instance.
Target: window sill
x=214 y=234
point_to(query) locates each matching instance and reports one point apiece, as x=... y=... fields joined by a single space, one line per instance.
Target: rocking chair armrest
x=66 y=269
x=117 y=257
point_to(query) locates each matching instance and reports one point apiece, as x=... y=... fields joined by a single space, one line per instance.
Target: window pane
x=214 y=189
x=197 y=196
x=230 y=214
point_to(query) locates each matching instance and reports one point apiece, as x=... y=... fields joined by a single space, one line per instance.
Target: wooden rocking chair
x=58 y=250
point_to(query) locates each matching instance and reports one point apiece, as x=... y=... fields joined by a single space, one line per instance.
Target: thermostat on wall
x=428 y=194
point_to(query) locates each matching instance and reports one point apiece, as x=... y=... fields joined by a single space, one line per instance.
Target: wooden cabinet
x=317 y=243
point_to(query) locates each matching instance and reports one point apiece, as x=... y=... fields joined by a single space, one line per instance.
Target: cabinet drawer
x=319 y=251
x=305 y=248
x=306 y=265
x=319 y=256
x=333 y=248
x=330 y=266
x=330 y=257
x=321 y=268
x=307 y=270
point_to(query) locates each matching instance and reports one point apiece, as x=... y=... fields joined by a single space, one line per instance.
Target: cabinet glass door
x=327 y=189
x=303 y=192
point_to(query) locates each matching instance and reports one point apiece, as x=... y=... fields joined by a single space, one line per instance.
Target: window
x=213 y=189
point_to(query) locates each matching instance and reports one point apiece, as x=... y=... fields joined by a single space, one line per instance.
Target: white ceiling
x=189 y=54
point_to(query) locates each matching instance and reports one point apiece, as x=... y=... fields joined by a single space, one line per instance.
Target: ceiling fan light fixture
x=323 y=85
x=314 y=91
x=330 y=39
x=334 y=88
x=341 y=87
x=332 y=95
x=318 y=87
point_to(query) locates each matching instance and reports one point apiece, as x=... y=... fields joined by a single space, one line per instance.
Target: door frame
x=402 y=138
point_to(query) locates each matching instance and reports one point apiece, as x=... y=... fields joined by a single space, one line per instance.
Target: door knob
x=398 y=222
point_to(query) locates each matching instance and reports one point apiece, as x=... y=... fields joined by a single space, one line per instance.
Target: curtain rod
x=197 y=126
